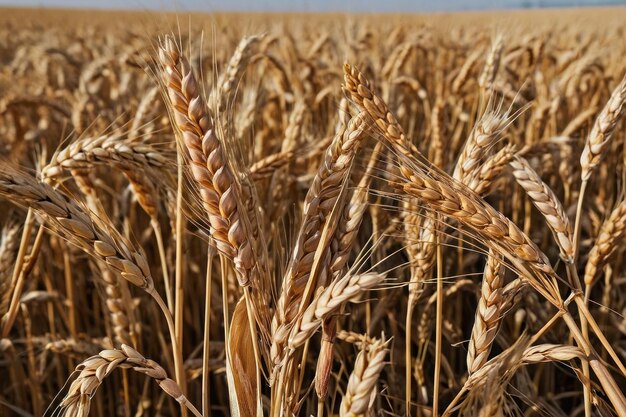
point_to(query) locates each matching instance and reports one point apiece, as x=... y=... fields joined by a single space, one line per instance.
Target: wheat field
x=312 y=215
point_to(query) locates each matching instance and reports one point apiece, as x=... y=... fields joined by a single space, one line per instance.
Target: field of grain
x=312 y=215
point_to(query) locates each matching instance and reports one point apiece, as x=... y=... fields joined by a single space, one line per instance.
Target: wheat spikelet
x=219 y=190
x=221 y=96
x=94 y=236
x=105 y=149
x=294 y=127
x=146 y=107
x=482 y=137
x=8 y=251
x=140 y=163
x=95 y=369
x=602 y=131
x=464 y=72
x=144 y=190
x=449 y=197
x=358 y=88
x=319 y=202
x=330 y=301
x=73 y=346
x=361 y=389
x=118 y=309
x=547 y=203
x=349 y=222
x=488 y=312
x=436 y=144
x=362 y=341
x=420 y=237
x=347 y=230
x=265 y=167
x=518 y=355
x=551 y=353
x=607 y=242
x=482 y=180
x=490 y=70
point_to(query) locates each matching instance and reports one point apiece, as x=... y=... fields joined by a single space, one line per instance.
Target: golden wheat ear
x=94 y=370
x=362 y=383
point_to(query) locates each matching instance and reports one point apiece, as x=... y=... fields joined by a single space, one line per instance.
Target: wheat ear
x=330 y=301
x=444 y=195
x=490 y=70
x=218 y=187
x=482 y=180
x=83 y=153
x=488 y=312
x=547 y=203
x=95 y=369
x=361 y=389
x=95 y=236
x=607 y=242
x=8 y=252
x=602 y=130
x=482 y=137
x=319 y=203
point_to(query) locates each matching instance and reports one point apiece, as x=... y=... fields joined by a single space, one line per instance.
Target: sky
x=309 y=5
